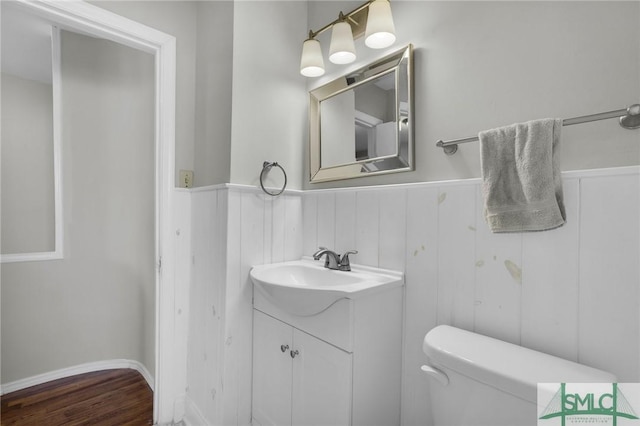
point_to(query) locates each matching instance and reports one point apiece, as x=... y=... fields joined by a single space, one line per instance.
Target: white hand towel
x=521 y=183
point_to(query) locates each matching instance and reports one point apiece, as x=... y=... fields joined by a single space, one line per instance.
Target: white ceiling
x=26 y=44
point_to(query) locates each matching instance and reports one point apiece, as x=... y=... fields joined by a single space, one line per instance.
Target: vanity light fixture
x=372 y=19
x=342 y=50
x=311 y=63
x=380 y=32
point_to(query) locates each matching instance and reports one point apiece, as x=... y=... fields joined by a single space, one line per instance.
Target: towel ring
x=266 y=166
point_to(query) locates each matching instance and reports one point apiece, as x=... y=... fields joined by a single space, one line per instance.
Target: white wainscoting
x=571 y=292
x=232 y=228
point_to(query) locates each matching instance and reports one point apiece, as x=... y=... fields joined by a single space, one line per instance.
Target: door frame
x=85 y=18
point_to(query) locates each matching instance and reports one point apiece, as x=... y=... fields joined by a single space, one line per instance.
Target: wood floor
x=112 y=397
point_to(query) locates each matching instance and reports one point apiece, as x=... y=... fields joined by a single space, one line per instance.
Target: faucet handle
x=344 y=261
x=346 y=255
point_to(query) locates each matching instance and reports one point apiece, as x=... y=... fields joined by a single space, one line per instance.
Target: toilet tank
x=486 y=381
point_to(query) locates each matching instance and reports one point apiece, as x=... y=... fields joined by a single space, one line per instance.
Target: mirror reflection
x=360 y=123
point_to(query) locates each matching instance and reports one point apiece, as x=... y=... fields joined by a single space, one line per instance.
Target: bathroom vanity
x=341 y=366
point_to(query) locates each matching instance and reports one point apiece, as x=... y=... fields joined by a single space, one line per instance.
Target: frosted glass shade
x=380 y=32
x=311 y=63
x=342 y=50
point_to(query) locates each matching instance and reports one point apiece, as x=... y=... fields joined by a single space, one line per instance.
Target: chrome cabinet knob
x=284 y=348
x=294 y=353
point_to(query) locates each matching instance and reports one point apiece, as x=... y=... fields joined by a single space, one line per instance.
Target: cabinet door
x=322 y=383
x=271 y=371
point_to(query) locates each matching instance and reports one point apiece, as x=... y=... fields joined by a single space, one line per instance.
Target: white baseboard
x=193 y=416
x=111 y=364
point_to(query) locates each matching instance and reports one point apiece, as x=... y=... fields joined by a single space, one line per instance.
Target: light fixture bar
x=356 y=18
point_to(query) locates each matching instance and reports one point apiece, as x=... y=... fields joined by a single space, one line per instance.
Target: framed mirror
x=361 y=124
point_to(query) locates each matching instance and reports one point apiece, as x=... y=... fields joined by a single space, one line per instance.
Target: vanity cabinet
x=340 y=367
x=289 y=369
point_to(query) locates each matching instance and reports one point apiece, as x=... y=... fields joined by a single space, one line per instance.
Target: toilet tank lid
x=511 y=368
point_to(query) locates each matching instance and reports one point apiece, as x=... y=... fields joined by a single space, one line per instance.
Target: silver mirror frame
x=400 y=62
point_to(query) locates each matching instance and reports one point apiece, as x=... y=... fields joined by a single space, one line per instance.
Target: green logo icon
x=612 y=404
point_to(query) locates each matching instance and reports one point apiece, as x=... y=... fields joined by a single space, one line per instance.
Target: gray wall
x=177 y=18
x=478 y=65
x=204 y=36
x=214 y=63
x=481 y=65
x=98 y=302
x=269 y=108
x=240 y=97
x=27 y=166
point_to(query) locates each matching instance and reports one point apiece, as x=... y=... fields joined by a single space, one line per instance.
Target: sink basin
x=305 y=287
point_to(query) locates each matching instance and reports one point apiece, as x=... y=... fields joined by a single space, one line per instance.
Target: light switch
x=186 y=178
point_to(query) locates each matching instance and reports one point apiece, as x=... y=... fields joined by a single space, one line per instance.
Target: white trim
x=241 y=187
x=56 y=85
x=572 y=174
x=95 y=21
x=78 y=369
x=207 y=188
x=30 y=257
x=238 y=187
x=249 y=188
x=58 y=230
x=83 y=17
x=609 y=171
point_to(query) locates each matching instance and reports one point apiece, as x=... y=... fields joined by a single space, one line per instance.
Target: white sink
x=305 y=287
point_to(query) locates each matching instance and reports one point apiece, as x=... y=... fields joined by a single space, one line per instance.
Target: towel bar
x=629 y=119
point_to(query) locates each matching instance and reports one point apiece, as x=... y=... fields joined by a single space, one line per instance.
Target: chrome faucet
x=333 y=260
